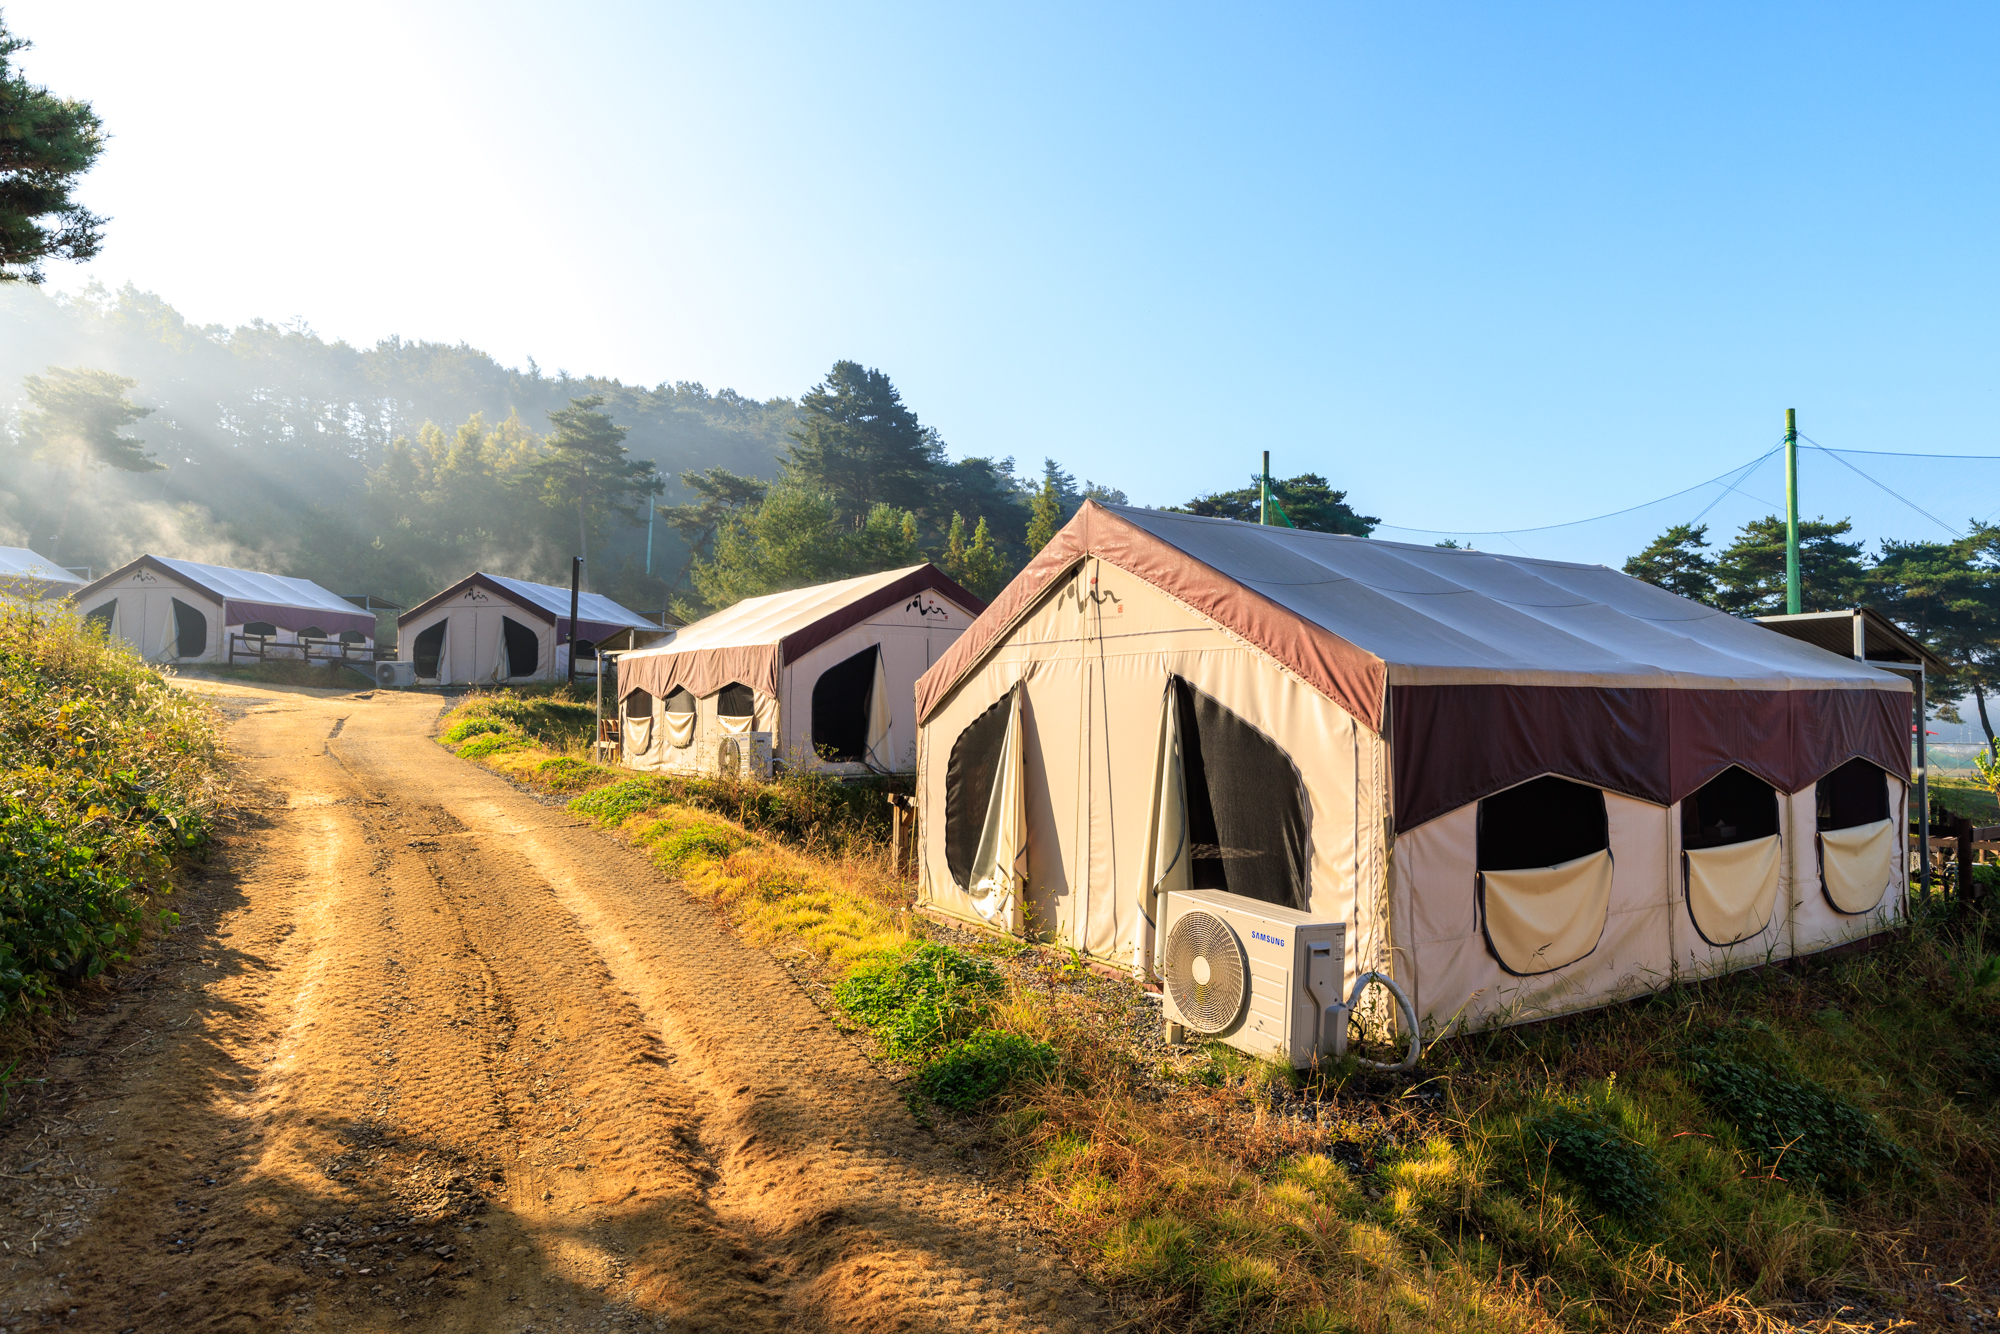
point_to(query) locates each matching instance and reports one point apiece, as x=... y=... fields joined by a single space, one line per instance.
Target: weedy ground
x=1811 y=1146
x=110 y=780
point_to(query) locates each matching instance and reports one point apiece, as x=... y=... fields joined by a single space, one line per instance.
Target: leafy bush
x=107 y=776
x=491 y=744
x=1617 y=1172
x=695 y=842
x=1804 y=1131
x=568 y=775
x=920 y=999
x=973 y=1071
x=615 y=803
x=472 y=727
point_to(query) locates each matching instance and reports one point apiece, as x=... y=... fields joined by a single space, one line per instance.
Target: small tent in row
x=28 y=577
x=182 y=611
x=488 y=629
x=820 y=677
x=1524 y=786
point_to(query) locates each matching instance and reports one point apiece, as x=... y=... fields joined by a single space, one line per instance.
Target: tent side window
x=99 y=618
x=260 y=629
x=190 y=631
x=523 y=651
x=1730 y=856
x=1245 y=806
x=969 y=776
x=1856 y=793
x=427 y=649
x=840 y=713
x=1541 y=823
x=1544 y=877
x=736 y=701
x=1857 y=842
x=312 y=632
x=680 y=718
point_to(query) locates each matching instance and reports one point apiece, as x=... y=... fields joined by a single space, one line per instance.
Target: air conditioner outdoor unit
x=1252 y=974
x=747 y=755
x=395 y=675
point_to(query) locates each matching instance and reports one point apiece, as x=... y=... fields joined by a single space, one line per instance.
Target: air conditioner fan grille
x=1205 y=972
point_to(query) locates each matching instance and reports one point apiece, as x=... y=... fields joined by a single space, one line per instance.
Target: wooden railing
x=265 y=648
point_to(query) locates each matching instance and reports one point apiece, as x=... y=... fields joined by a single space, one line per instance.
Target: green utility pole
x=1264 y=491
x=1792 y=511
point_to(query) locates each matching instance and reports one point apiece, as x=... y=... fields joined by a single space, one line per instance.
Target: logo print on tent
x=921 y=608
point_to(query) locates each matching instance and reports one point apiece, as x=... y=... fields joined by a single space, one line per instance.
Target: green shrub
x=696 y=842
x=973 y=1071
x=568 y=775
x=472 y=727
x=615 y=803
x=1803 y=1131
x=1617 y=1172
x=921 y=999
x=491 y=744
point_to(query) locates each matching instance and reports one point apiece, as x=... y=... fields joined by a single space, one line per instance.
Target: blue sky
x=1484 y=266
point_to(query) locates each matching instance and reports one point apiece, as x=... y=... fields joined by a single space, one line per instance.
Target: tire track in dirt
x=428 y=1050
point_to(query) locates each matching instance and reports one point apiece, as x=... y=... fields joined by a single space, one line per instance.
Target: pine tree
x=985 y=567
x=46 y=143
x=1675 y=562
x=1046 y=516
x=1750 y=574
x=587 y=465
x=858 y=443
x=1308 y=501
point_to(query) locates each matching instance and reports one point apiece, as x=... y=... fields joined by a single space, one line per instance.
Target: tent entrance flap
x=1731 y=889
x=1000 y=864
x=190 y=631
x=842 y=707
x=985 y=810
x=1245 y=800
x=1166 y=866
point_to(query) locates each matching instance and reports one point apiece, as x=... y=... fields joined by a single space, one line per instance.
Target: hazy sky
x=1483 y=265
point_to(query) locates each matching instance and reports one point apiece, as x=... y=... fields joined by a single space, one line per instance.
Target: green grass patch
x=490 y=744
x=922 y=999
x=1799 y=1129
x=466 y=729
x=971 y=1072
x=564 y=774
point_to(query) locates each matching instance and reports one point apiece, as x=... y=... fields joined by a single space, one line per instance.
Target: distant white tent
x=488 y=629
x=182 y=611
x=31 y=577
x=823 y=675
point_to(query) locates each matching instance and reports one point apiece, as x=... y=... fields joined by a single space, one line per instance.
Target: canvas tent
x=1524 y=786
x=183 y=611
x=487 y=629
x=824 y=675
x=32 y=578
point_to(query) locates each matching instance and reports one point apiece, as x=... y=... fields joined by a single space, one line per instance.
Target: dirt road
x=428 y=1053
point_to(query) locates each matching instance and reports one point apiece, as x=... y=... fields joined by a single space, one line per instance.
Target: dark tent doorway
x=522 y=649
x=1245 y=805
x=190 y=631
x=840 y=714
x=968 y=785
x=429 y=647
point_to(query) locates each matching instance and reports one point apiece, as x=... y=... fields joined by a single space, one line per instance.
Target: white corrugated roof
x=19 y=563
x=276 y=590
x=768 y=619
x=589 y=606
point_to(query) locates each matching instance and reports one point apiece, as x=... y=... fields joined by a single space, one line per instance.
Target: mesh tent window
x=190 y=631
x=1543 y=822
x=969 y=776
x=680 y=701
x=260 y=629
x=1735 y=806
x=427 y=649
x=100 y=617
x=582 y=649
x=840 y=707
x=1856 y=793
x=1245 y=806
x=312 y=632
x=523 y=651
x=736 y=700
x=353 y=637
x=638 y=704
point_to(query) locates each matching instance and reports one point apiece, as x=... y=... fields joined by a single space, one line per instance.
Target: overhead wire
x=1835 y=454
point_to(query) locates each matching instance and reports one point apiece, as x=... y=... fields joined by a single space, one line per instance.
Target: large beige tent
x=184 y=611
x=818 y=677
x=1524 y=786
x=487 y=629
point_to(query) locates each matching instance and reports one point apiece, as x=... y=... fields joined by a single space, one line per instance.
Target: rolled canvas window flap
x=1000 y=866
x=1539 y=920
x=1856 y=864
x=1166 y=865
x=733 y=726
x=639 y=731
x=680 y=730
x=878 y=718
x=1732 y=889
